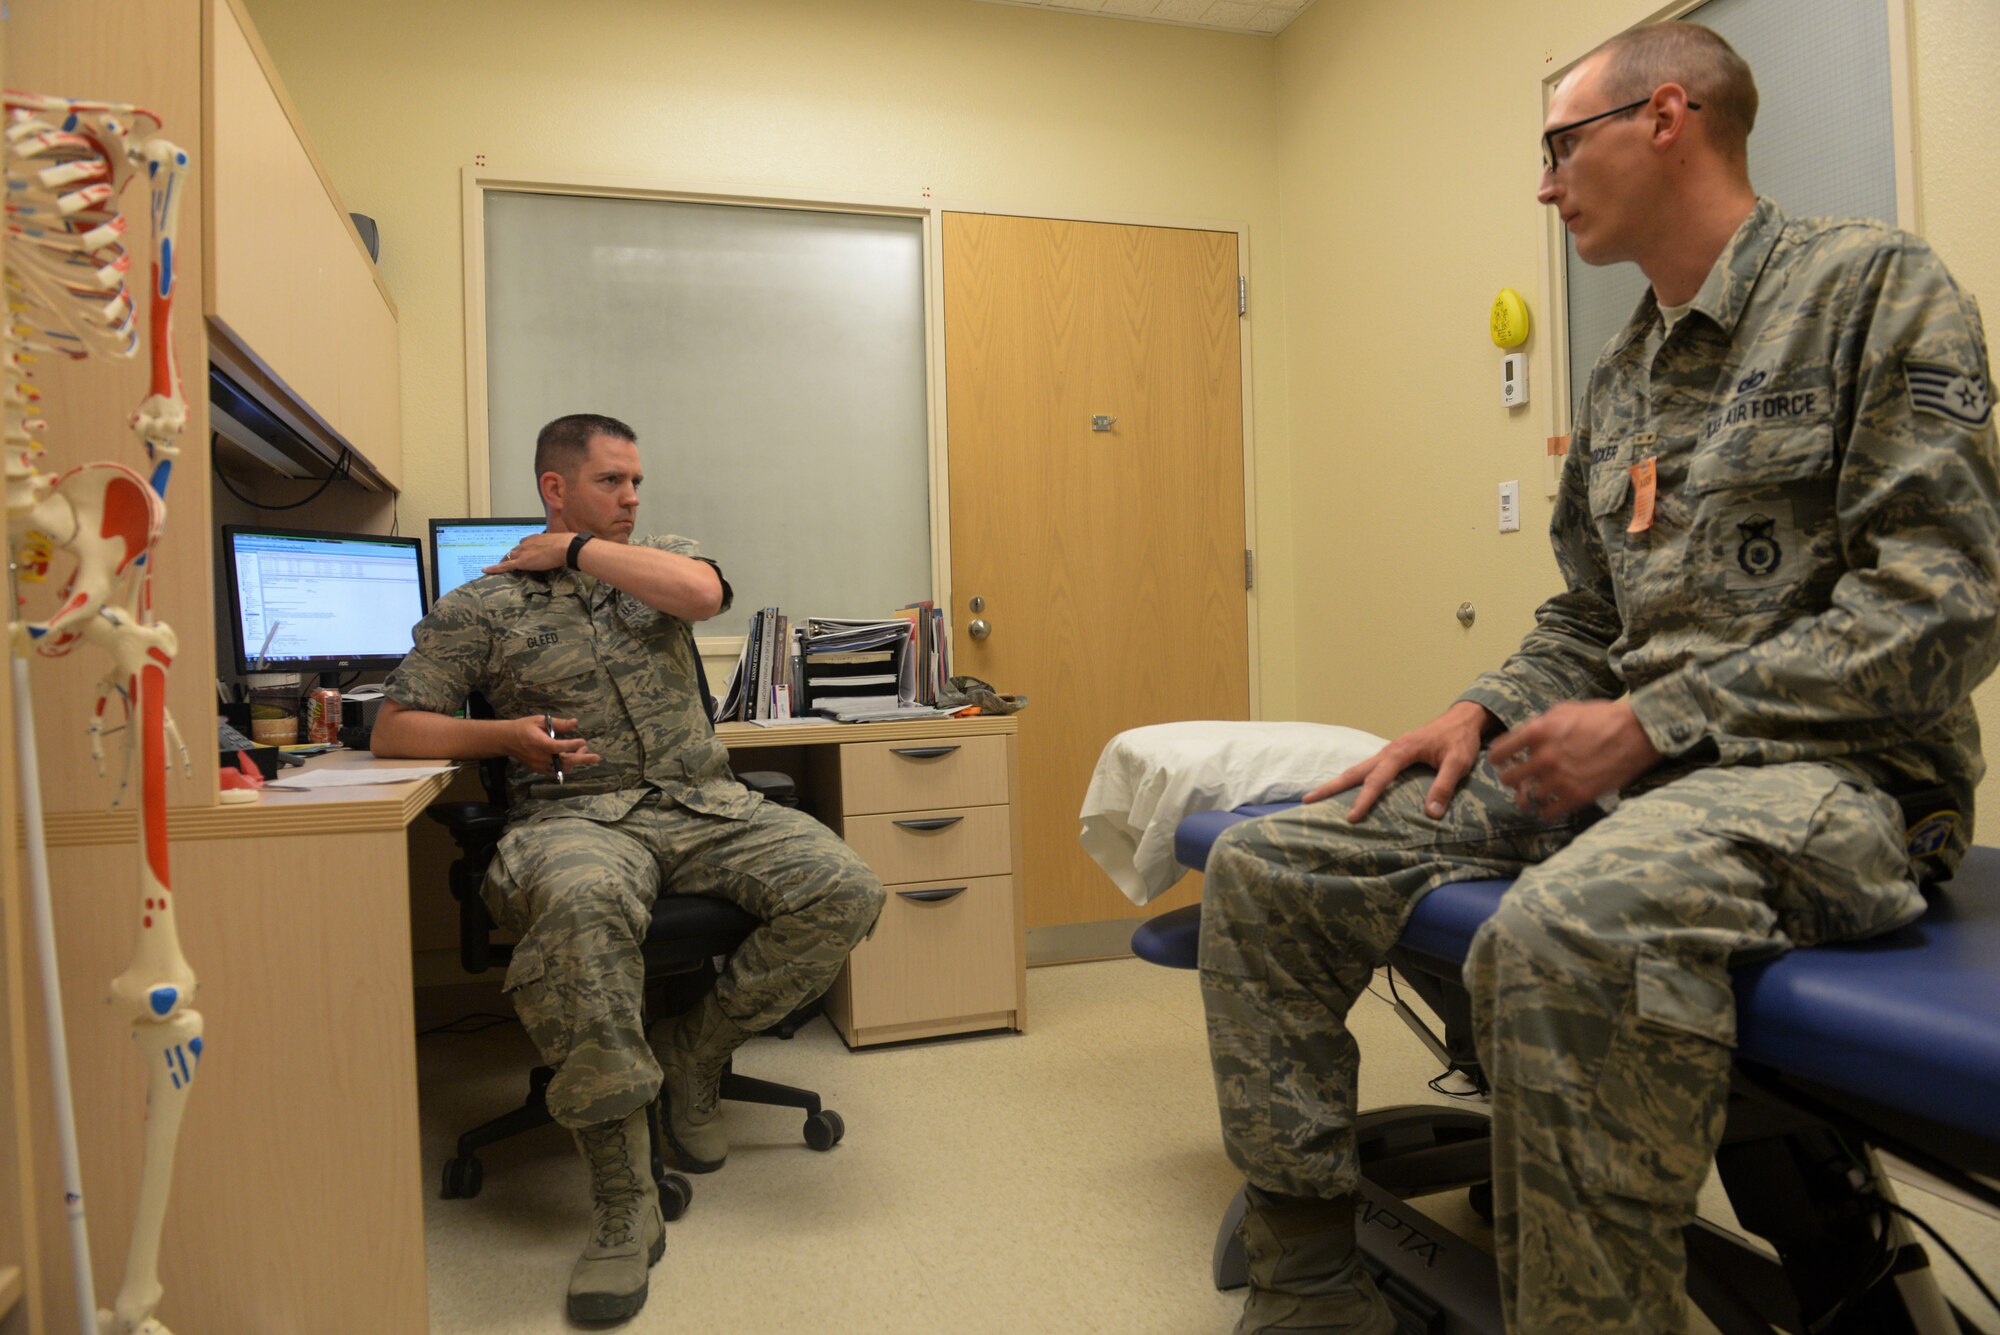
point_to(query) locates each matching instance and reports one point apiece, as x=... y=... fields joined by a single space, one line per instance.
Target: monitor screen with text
x=462 y=548
x=322 y=601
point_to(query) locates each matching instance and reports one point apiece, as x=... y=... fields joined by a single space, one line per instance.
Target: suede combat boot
x=693 y=1052
x=1305 y=1270
x=627 y=1234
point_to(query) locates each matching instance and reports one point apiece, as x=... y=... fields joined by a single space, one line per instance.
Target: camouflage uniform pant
x=580 y=894
x=1600 y=989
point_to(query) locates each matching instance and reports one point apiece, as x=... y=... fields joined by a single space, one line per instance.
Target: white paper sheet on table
x=1147 y=779
x=356 y=778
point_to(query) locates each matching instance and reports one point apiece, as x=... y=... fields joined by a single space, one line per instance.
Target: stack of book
x=849 y=670
x=929 y=651
x=764 y=684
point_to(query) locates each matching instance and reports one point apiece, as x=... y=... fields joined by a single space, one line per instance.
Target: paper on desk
x=357 y=778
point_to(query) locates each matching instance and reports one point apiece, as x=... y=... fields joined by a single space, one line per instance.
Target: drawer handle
x=922 y=752
x=933 y=896
x=931 y=823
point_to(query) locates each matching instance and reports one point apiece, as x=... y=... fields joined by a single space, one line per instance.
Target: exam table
x=1892 y=1044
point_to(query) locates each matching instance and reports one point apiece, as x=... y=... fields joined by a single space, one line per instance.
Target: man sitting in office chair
x=1778 y=532
x=618 y=787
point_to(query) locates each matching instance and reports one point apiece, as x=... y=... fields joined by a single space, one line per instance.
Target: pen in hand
x=556 y=759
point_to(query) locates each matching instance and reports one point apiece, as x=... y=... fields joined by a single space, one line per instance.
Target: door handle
x=922 y=752
x=933 y=896
x=931 y=822
x=979 y=630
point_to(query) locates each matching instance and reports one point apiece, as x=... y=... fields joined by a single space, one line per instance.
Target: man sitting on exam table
x=1777 y=529
x=619 y=790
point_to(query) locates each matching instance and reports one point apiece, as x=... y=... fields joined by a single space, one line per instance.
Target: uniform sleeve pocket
x=1671 y=995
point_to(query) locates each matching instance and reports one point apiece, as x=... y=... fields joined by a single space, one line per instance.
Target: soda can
x=323 y=714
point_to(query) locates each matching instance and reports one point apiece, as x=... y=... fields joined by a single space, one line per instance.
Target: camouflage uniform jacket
x=1820 y=579
x=560 y=642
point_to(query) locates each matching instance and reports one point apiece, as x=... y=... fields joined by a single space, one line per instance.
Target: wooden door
x=1110 y=562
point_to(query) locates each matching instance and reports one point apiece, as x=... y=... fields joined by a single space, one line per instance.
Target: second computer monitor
x=462 y=548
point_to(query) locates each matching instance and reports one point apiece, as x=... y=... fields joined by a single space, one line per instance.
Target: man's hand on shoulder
x=537 y=551
x=1449 y=744
x=1572 y=755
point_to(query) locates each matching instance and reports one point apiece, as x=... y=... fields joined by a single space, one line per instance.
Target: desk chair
x=686 y=935
x=1891 y=1043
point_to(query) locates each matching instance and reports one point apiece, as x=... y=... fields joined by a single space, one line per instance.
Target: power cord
x=341 y=468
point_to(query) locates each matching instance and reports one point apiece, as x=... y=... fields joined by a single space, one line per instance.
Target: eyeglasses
x=1555 y=154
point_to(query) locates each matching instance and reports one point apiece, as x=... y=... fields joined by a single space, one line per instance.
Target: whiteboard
x=771 y=362
x=1824 y=144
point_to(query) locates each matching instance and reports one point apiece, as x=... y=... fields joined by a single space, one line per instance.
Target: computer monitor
x=461 y=548
x=321 y=602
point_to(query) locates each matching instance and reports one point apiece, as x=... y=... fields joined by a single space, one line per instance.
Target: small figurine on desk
x=68 y=162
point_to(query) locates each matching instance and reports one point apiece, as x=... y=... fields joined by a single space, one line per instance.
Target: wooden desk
x=297 y=1200
x=934 y=807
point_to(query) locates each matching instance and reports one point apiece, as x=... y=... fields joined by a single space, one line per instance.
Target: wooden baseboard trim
x=1075 y=942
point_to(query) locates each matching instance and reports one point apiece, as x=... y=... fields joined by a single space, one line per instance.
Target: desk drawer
x=921 y=775
x=933 y=845
x=932 y=960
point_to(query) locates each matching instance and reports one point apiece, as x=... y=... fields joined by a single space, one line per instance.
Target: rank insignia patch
x=1947 y=392
x=1759 y=553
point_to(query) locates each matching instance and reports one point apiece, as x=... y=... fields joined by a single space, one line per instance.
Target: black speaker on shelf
x=371 y=235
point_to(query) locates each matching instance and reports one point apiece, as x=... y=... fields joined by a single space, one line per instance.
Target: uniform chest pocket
x=1765 y=501
x=1610 y=484
x=1773 y=457
x=550 y=668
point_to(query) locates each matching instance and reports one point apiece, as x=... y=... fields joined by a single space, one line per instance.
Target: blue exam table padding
x=1909 y=1020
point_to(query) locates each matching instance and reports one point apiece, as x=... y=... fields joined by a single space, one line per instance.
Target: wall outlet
x=1510 y=507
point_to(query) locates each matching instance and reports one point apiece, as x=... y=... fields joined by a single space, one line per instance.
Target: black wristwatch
x=576 y=546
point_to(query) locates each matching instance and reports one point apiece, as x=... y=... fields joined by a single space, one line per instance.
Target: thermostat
x=1514 y=379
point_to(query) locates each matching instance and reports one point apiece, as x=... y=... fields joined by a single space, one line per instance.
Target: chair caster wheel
x=824 y=1130
x=675 y=1193
x=463 y=1176
x=1480 y=1197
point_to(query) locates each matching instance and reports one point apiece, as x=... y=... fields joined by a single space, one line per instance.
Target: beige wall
x=1382 y=152
x=1409 y=163
x=981 y=105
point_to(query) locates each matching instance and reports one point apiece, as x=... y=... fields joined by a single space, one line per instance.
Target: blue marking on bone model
x=162 y=999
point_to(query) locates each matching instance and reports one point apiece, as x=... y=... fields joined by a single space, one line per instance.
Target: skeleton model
x=66 y=165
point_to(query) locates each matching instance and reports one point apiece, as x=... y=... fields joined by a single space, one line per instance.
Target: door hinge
x=1242 y=295
x=1249 y=569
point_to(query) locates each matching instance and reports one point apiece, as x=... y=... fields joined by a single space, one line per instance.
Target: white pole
x=45 y=953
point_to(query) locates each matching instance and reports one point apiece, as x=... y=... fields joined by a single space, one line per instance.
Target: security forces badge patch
x=1947 y=392
x=1759 y=552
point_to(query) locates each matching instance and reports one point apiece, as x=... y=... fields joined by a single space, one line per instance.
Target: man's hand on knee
x=1449 y=744
x=1574 y=754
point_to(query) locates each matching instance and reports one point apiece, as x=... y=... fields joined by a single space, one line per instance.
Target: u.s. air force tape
x=1945 y=391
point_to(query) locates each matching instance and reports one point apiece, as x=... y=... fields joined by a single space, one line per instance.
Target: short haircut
x=563 y=445
x=1640 y=59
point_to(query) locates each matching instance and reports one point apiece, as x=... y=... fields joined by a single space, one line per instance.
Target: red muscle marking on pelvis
x=127 y=517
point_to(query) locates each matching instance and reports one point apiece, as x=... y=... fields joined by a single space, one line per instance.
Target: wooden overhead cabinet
x=294 y=303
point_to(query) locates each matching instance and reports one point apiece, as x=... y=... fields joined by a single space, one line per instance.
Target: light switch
x=1510 y=507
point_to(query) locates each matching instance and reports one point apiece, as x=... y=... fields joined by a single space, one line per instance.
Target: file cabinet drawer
x=921 y=775
x=940 y=952
x=934 y=845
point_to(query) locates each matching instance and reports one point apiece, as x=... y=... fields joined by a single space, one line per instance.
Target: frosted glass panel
x=770 y=360
x=1824 y=142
